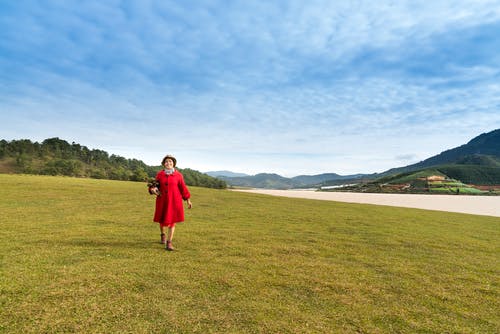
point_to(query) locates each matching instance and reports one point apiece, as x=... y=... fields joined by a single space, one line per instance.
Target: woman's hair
x=168 y=156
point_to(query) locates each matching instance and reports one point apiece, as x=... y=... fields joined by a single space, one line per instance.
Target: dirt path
x=477 y=205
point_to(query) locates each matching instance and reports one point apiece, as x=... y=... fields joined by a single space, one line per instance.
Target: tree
x=139 y=175
x=55 y=156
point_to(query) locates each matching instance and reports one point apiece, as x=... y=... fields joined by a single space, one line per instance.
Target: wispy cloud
x=360 y=86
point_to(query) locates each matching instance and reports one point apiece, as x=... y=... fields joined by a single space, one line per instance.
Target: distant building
x=435 y=178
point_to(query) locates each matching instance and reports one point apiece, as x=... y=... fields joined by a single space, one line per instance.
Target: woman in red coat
x=169 y=195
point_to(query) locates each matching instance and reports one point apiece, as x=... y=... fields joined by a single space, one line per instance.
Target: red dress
x=169 y=208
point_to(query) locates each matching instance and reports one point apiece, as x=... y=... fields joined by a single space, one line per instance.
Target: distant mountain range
x=481 y=150
x=275 y=181
x=477 y=162
x=225 y=173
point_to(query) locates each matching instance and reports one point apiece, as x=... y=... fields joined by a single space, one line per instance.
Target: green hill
x=483 y=149
x=55 y=156
x=472 y=174
x=445 y=179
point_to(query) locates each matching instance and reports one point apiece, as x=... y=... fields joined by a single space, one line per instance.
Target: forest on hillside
x=55 y=156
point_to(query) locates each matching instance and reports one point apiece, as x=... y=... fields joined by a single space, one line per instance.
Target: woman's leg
x=171 y=231
x=170 y=235
x=162 y=234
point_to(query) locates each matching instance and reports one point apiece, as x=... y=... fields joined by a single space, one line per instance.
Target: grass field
x=82 y=256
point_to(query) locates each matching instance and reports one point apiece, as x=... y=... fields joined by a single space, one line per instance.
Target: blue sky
x=290 y=87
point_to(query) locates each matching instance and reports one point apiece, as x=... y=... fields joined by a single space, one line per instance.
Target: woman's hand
x=155 y=191
x=190 y=205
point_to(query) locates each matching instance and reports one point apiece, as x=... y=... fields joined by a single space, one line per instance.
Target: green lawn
x=82 y=256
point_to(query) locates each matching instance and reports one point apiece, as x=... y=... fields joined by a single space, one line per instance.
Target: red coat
x=169 y=208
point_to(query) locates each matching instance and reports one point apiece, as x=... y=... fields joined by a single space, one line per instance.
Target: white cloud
x=257 y=84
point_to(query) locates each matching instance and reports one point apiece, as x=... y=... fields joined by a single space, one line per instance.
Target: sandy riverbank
x=477 y=205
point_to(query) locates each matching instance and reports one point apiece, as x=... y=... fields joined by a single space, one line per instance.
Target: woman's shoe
x=163 y=238
x=169 y=246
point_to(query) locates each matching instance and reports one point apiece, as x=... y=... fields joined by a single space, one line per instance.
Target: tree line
x=55 y=156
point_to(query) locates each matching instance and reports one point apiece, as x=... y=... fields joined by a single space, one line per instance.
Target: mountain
x=480 y=159
x=225 y=173
x=472 y=174
x=477 y=162
x=483 y=148
x=303 y=180
x=275 y=181
x=262 y=180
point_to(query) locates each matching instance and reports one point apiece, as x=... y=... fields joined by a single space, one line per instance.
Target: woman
x=170 y=192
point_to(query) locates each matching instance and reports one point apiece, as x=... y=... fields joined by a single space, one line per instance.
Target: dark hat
x=168 y=156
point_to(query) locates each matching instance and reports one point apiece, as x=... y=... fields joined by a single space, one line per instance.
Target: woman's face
x=169 y=164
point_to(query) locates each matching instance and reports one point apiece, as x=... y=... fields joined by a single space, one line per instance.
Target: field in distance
x=82 y=255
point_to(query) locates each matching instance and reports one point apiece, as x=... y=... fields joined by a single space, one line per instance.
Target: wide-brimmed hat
x=168 y=156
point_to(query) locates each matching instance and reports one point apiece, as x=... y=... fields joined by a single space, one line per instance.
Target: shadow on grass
x=106 y=244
